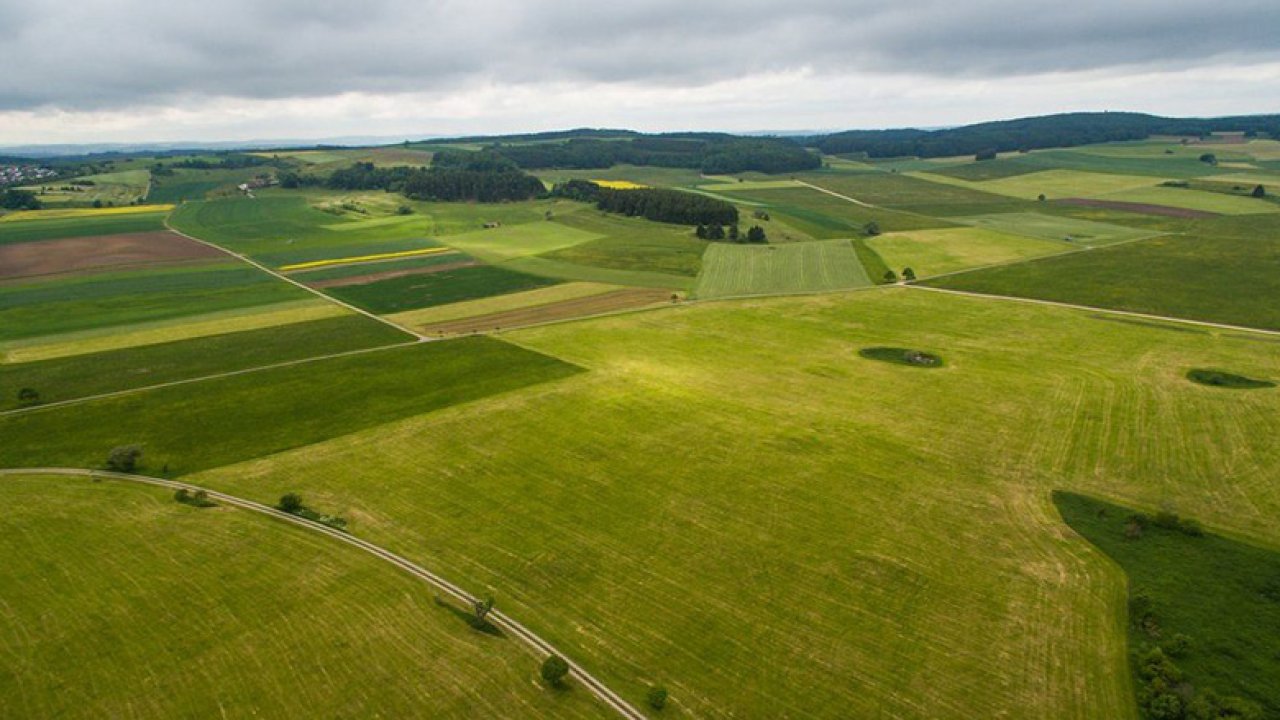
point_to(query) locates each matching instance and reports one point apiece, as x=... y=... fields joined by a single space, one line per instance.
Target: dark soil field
x=72 y=255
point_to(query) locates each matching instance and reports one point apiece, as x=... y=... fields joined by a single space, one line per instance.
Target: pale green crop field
x=1054 y=227
x=934 y=252
x=1196 y=200
x=133 y=605
x=514 y=241
x=1053 y=184
x=741 y=508
x=735 y=270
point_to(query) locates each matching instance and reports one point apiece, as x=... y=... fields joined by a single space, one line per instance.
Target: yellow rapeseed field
x=58 y=213
x=363 y=258
x=619 y=184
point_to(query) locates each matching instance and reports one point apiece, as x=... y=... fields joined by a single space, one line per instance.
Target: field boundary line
x=244 y=258
x=1094 y=308
x=541 y=647
x=833 y=193
x=202 y=378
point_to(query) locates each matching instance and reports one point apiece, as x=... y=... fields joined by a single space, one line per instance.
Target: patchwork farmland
x=902 y=440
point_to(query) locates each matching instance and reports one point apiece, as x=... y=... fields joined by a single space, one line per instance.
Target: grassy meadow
x=164 y=611
x=734 y=491
x=735 y=270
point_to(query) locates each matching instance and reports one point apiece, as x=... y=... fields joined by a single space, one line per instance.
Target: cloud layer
x=114 y=59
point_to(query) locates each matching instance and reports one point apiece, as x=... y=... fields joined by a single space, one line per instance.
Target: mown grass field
x=66 y=378
x=935 y=252
x=734 y=270
x=513 y=241
x=1206 y=277
x=1195 y=200
x=186 y=327
x=742 y=509
x=826 y=217
x=632 y=244
x=501 y=303
x=1051 y=183
x=132 y=605
x=196 y=426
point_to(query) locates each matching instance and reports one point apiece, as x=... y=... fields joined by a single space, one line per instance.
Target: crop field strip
x=79 y=225
x=243 y=630
x=83 y=254
x=588 y=306
x=937 y=252
x=627 y=521
x=742 y=270
x=501 y=303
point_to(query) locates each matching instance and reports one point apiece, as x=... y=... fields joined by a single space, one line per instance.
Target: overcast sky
x=135 y=70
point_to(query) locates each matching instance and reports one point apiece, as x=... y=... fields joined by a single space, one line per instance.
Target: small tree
x=890 y=276
x=872 y=228
x=482 y=608
x=701 y=231
x=182 y=495
x=1209 y=158
x=1041 y=197
x=124 y=458
x=657 y=697
x=290 y=503
x=715 y=232
x=733 y=233
x=1259 y=192
x=908 y=274
x=756 y=235
x=28 y=396
x=554 y=670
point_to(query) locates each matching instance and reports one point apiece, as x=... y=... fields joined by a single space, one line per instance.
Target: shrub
x=890 y=276
x=871 y=229
x=28 y=396
x=291 y=503
x=1259 y=192
x=554 y=670
x=657 y=697
x=124 y=458
x=756 y=235
x=1178 y=646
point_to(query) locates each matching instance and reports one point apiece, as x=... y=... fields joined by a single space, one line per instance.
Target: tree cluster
x=669 y=206
x=448 y=183
x=15 y=199
x=754 y=235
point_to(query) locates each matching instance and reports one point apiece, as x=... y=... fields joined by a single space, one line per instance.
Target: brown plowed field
x=374 y=277
x=1144 y=208
x=72 y=255
x=564 y=310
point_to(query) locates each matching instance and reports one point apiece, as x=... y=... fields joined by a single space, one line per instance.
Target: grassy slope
x=203 y=425
x=1201 y=277
x=411 y=292
x=135 y=606
x=817 y=266
x=84 y=375
x=1223 y=594
x=739 y=507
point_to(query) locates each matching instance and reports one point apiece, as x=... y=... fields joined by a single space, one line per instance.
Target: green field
x=632 y=244
x=1207 y=277
x=1053 y=184
x=135 y=606
x=109 y=299
x=1195 y=200
x=513 y=241
x=735 y=494
x=123 y=187
x=935 y=252
x=826 y=217
x=1221 y=594
x=735 y=270
x=202 y=425
x=411 y=292
x=83 y=375
x=1057 y=227
x=32 y=230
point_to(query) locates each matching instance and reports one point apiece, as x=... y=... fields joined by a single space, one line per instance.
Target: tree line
x=451 y=183
x=1065 y=130
x=660 y=205
x=722 y=154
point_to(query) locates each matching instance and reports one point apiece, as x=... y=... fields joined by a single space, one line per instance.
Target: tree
x=554 y=670
x=1259 y=192
x=657 y=697
x=908 y=274
x=715 y=232
x=15 y=199
x=182 y=495
x=1041 y=197
x=733 y=233
x=482 y=608
x=124 y=458
x=871 y=229
x=890 y=276
x=1209 y=158
x=701 y=232
x=756 y=235
x=290 y=503
x=28 y=396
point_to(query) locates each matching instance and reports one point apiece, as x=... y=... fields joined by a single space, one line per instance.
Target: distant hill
x=1033 y=133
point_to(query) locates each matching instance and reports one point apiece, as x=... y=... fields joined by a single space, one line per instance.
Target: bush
x=28 y=396
x=657 y=697
x=890 y=276
x=1259 y=192
x=871 y=229
x=124 y=458
x=756 y=235
x=291 y=503
x=554 y=670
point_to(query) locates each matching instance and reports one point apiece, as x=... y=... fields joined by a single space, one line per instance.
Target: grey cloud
x=102 y=54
